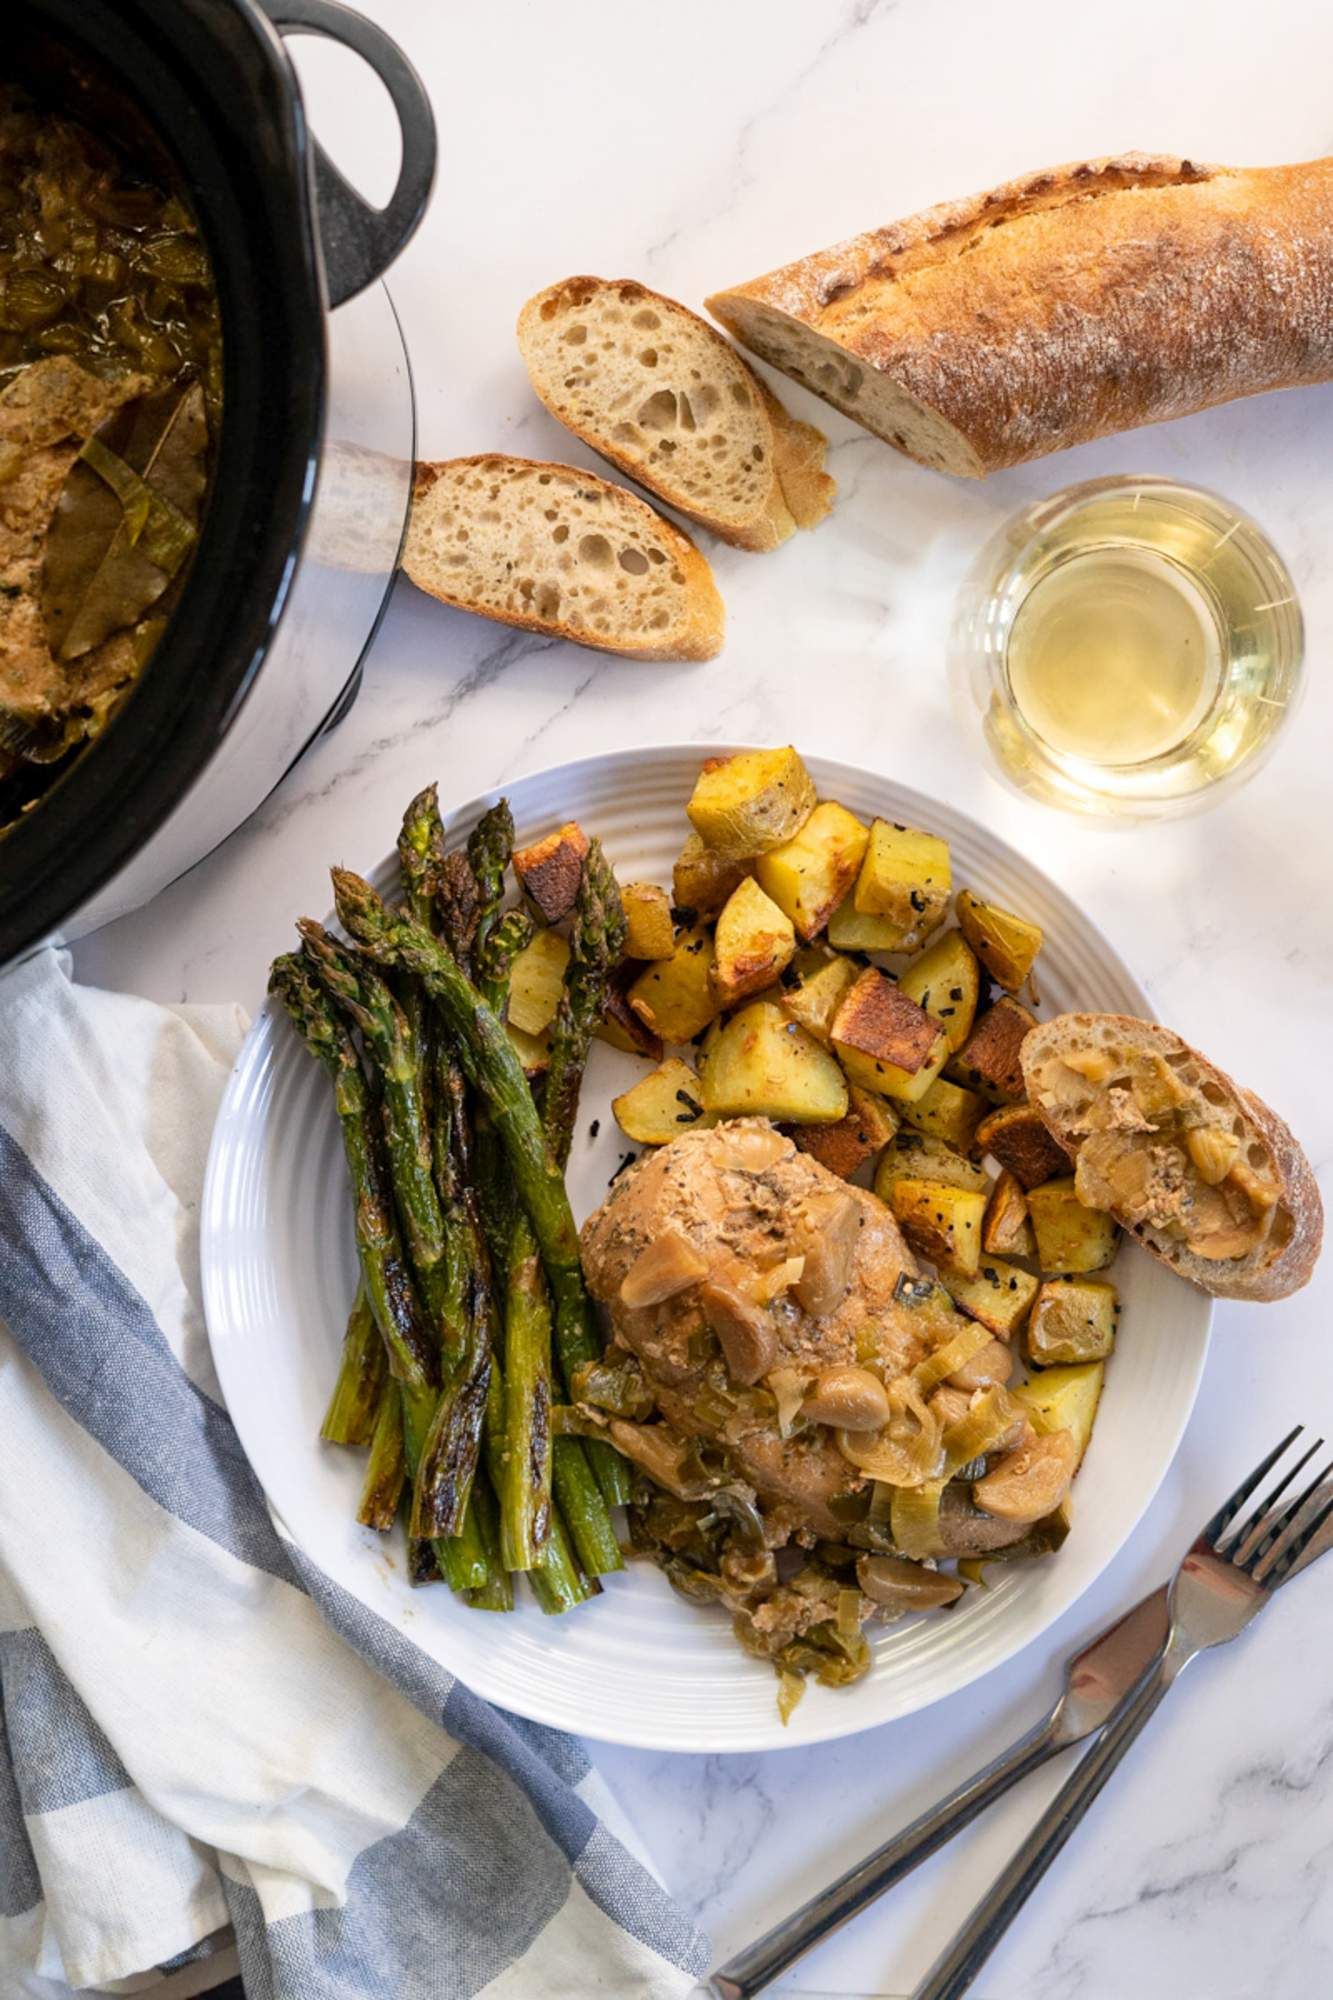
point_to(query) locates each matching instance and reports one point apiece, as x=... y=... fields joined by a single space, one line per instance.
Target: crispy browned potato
x=744 y=805
x=843 y=1148
x=649 y=931
x=920 y=1156
x=1065 y=1399
x=1000 y=1294
x=906 y=877
x=814 y=987
x=536 y=982
x=885 y=1041
x=621 y=1028
x=675 y=996
x=1006 y=944
x=661 y=1105
x=551 y=869
x=533 y=1051
x=942 y=1223
x=1070 y=1237
x=848 y=930
x=988 y=1060
x=948 y=1111
x=946 y=981
x=763 y=1065
x=1007 y=1230
x=753 y=942
x=701 y=881
x=1074 y=1319
x=1017 y=1137
x=809 y=875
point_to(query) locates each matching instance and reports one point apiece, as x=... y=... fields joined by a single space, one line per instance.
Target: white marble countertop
x=704 y=143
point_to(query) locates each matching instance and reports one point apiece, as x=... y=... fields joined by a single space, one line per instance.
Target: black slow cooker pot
x=268 y=636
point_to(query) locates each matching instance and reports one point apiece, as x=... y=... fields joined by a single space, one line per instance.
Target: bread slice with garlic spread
x=558 y=550
x=1200 y=1171
x=660 y=393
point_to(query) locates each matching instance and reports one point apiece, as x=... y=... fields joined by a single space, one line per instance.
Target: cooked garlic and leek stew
x=110 y=392
x=854 y=1313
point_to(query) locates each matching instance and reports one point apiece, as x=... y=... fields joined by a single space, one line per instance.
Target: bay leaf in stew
x=126 y=520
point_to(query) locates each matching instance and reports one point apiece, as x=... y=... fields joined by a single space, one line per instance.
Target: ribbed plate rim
x=1023 y=1607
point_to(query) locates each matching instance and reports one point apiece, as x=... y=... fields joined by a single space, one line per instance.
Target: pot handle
x=360 y=242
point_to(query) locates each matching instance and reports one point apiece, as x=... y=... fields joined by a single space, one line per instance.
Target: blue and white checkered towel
x=202 y=1739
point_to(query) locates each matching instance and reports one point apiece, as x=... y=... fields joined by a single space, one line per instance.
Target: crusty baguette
x=659 y=392
x=1059 y=308
x=554 y=549
x=1285 y=1259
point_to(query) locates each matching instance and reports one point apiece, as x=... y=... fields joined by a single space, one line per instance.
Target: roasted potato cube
x=649 y=931
x=622 y=1028
x=1005 y=944
x=662 y=1105
x=988 y=1060
x=703 y=1051
x=534 y=1051
x=946 y=981
x=919 y=1156
x=947 y=1111
x=551 y=870
x=903 y=1086
x=848 y=930
x=814 y=986
x=1070 y=1237
x=940 y=1222
x=765 y=1066
x=1016 y=1137
x=701 y=881
x=753 y=941
x=536 y=982
x=1065 y=1399
x=744 y=805
x=885 y=1041
x=675 y=996
x=1007 y=1229
x=905 y=876
x=843 y=1148
x=809 y=875
x=1074 y=1319
x=1000 y=1295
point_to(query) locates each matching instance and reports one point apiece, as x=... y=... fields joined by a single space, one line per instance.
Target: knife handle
x=954 y=1971
x=751 y=1970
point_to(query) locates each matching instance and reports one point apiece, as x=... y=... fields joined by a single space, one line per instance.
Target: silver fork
x=1228 y=1576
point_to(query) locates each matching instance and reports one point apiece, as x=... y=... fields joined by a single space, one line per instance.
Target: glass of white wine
x=1132 y=645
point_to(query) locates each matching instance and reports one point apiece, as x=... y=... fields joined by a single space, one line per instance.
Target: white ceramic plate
x=639 y=1665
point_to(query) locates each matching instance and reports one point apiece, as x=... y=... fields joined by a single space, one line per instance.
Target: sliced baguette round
x=659 y=392
x=554 y=549
x=1284 y=1261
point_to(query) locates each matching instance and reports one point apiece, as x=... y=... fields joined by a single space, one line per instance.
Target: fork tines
x=1270 y=1543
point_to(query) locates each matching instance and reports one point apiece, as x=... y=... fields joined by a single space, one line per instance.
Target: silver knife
x=1097 y=1680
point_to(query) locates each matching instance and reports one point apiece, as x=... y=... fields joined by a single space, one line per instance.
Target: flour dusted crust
x=1274 y=1269
x=1061 y=307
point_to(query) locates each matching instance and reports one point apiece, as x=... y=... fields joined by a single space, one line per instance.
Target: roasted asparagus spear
x=362 y=1371
x=595 y=946
x=413 y=1354
x=444 y=1455
x=494 y=1069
